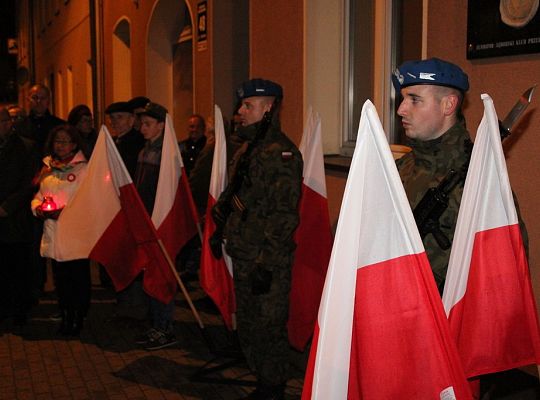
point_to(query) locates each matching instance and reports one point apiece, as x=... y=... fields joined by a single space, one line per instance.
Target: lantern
x=48 y=204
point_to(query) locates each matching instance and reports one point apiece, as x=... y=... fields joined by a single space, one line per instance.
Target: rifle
x=224 y=207
x=435 y=201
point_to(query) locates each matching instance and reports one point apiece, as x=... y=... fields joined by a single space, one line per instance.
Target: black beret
x=120 y=106
x=259 y=87
x=430 y=72
x=138 y=102
x=154 y=110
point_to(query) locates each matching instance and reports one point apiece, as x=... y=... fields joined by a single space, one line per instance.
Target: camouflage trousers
x=262 y=322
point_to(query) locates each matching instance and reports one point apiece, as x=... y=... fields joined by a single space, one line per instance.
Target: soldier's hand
x=261 y=280
x=216 y=242
x=218 y=215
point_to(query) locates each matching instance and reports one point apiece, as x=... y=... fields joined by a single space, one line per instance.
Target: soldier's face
x=422 y=112
x=253 y=109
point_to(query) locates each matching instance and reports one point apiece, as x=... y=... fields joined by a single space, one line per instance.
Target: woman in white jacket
x=59 y=179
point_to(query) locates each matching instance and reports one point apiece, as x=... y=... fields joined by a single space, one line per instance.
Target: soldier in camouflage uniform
x=259 y=218
x=433 y=92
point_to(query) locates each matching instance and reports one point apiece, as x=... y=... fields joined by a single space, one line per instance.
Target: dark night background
x=8 y=62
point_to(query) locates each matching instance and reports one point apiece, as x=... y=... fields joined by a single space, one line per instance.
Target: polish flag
x=488 y=294
x=106 y=221
x=174 y=215
x=313 y=238
x=216 y=276
x=381 y=331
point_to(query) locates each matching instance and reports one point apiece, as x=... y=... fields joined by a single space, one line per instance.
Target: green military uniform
x=259 y=238
x=425 y=167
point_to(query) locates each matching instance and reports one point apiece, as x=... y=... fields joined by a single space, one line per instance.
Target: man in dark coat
x=193 y=145
x=41 y=119
x=16 y=226
x=128 y=140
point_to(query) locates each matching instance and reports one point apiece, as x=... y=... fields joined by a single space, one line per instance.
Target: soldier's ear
x=449 y=104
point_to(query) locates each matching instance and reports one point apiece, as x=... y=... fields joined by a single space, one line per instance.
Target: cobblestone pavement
x=105 y=362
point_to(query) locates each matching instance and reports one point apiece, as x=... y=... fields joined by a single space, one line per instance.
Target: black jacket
x=17 y=166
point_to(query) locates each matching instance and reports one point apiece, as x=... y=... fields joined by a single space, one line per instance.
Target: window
x=370 y=52
x=360 y=63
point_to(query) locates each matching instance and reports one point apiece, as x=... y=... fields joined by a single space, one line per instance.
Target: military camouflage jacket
x=424 y=167
x=265 y=208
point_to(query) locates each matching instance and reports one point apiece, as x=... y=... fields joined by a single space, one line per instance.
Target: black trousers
x=73 y=285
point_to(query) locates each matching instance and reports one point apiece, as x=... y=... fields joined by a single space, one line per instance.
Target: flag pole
x=181 y=284
x=235 y=355
x=199 y=230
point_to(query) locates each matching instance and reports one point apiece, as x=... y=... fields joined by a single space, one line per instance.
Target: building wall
x=504 y=79
x=139 y=19
x=323 y=88
x=64 y=42
x=277 y=53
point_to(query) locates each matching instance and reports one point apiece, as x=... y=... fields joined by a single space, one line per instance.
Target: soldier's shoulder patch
x=286 y=155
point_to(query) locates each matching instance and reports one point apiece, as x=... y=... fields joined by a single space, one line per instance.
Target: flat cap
x=154 y=110
x=259 y=87
x=120 y=106
x=433 y=71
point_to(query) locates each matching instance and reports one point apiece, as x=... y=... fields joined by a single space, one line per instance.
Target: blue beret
x=259 y=87
x=430 y=72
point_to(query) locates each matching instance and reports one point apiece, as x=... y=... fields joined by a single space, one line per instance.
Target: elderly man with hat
x=433 y=92
x=258 y=213
x=128 y=140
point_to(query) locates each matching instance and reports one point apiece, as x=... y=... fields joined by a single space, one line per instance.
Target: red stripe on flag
x=400 y=337
x=159 y=281
x=493 y=322
x=215 y=277
x=314 y=246
x=123 y=261
x=308 y=379
x=180 y=224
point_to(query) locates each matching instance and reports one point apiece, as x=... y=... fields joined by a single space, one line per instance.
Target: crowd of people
x=43 y=159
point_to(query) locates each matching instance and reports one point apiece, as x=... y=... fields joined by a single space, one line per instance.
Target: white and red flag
x=313 y=238
x=488 y=295
x=381 y=331
x=174 y=215
x=106 y=221
x=216 y=276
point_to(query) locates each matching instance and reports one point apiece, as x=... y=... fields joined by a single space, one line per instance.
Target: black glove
x=220 y=212
x=261 y=280
x=216 y=242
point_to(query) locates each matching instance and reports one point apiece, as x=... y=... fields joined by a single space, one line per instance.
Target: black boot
x=69 y=322
x=77 y=323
